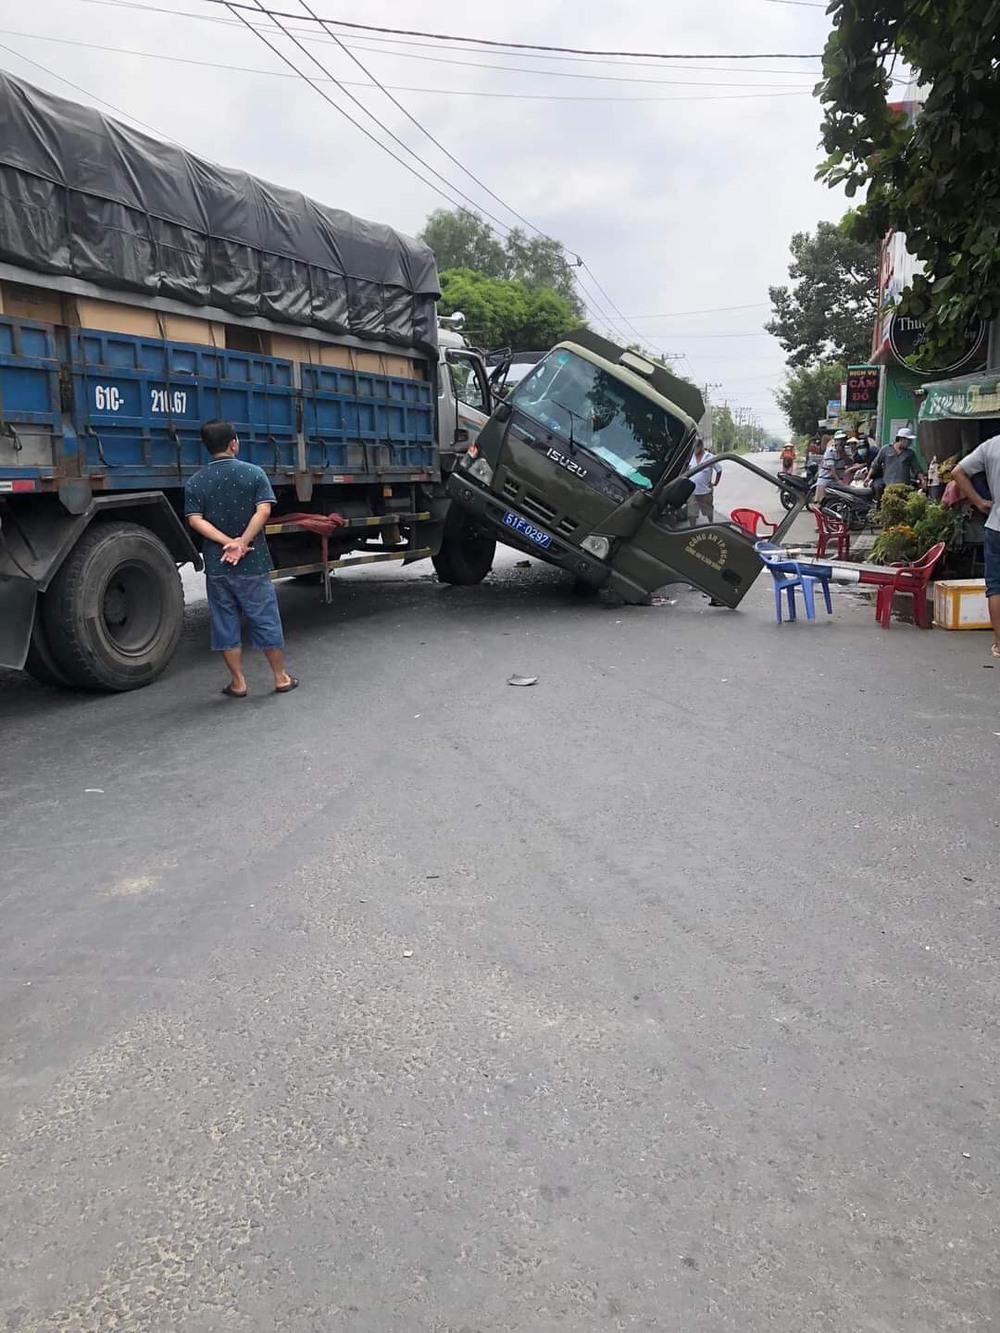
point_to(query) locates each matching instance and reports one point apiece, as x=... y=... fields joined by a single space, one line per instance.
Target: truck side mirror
x=676 y=493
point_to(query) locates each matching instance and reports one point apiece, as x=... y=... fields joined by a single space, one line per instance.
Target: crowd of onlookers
x=845 y=458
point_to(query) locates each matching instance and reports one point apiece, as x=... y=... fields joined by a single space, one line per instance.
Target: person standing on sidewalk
x=896 y=464
x=228 y=503
x=986 y=458
x=831 y=465
x=702 y=501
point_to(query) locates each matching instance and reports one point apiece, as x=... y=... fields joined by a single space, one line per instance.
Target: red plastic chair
x=751 y=519
x=828 y=529
x=912 y=579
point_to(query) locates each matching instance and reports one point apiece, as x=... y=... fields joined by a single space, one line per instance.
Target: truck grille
x=538 y=509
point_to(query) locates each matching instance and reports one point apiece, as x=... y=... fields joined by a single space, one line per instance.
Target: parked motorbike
x=854 y=506
x=792 y=484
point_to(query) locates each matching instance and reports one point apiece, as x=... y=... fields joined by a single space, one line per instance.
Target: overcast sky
x=681 y=199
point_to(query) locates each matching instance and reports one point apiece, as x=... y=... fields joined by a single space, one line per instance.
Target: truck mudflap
x=17 y=618
x=547 y=546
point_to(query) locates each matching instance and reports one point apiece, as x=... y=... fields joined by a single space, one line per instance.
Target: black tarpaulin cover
x=84 y=196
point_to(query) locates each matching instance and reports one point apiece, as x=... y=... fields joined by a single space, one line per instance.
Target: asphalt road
x=660 y=995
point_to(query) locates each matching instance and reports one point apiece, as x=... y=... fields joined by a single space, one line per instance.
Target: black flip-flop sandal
x=293 y=684
x=235 y=694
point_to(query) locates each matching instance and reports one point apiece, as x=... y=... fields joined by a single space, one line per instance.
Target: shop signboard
x=862 y=389
x=957 y=399
x=907 y=335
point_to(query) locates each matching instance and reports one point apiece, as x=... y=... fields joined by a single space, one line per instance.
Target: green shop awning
x=963 y=398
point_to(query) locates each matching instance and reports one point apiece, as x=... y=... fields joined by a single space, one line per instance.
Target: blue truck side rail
x=120 y=412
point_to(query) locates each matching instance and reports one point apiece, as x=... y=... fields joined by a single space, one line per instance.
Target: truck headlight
x=481 y=470
x=599 y=546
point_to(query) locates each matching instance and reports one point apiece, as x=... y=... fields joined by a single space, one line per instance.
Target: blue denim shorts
x=991 y=552
x=233 y=598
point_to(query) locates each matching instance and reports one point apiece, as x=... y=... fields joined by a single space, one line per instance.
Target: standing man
x=787 y=457
x=228 y=504
x=702 y=500
x=831 y=465
x=896 y=464
x=986 y=458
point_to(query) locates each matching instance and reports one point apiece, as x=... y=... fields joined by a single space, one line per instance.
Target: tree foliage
x=829 y=314
x=506 y=314
x=463 y=240
x=806 y=392
x=936 y=178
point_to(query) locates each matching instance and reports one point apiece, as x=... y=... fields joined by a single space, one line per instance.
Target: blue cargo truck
x=144 y=291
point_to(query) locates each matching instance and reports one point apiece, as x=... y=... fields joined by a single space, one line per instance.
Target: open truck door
x=717 y=558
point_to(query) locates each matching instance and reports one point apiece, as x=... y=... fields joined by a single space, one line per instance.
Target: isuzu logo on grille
x=565 y=462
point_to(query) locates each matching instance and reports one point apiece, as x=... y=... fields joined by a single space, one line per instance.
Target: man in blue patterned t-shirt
x=228 y=504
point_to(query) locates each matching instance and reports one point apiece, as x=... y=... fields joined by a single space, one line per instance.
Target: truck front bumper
x=487 y=507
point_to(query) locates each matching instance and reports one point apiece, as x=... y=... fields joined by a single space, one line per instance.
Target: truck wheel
x=41 y=662
x=113 y=613
x=467 y=550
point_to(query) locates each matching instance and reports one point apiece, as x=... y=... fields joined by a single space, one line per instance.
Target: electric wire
x=275 y=14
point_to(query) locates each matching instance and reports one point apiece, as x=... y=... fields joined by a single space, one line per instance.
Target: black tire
x=467 y=550
x=852 y=517
x=114 y=612
x=788 y=500
x=41 y=662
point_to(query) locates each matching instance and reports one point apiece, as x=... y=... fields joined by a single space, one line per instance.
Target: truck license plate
x=525 y=529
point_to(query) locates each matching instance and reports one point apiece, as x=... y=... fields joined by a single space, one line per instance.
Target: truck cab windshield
x=593 y=410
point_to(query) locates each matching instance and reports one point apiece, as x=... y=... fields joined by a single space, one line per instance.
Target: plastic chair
x=912 y=579
x=789 y=575
x=828 y=528
x=751 y=519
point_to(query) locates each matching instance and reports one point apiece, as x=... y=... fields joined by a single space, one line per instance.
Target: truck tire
x=114 y=612
x=467 y=550
x=41 y=662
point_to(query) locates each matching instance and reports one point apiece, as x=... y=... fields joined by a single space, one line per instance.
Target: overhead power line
x=713 y=310
x=393 y=87
x=414 y=121
x=573 y=74
x=276 y=14
x=455 y=190
x=87 y=93
x=391 y=42
x=232 y=5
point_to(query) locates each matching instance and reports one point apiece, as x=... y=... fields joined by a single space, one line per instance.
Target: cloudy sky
x=678 y=182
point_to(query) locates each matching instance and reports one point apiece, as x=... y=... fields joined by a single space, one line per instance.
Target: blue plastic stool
x=789 y=575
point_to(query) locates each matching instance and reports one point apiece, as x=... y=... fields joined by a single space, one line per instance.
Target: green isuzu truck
x=588 y=464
